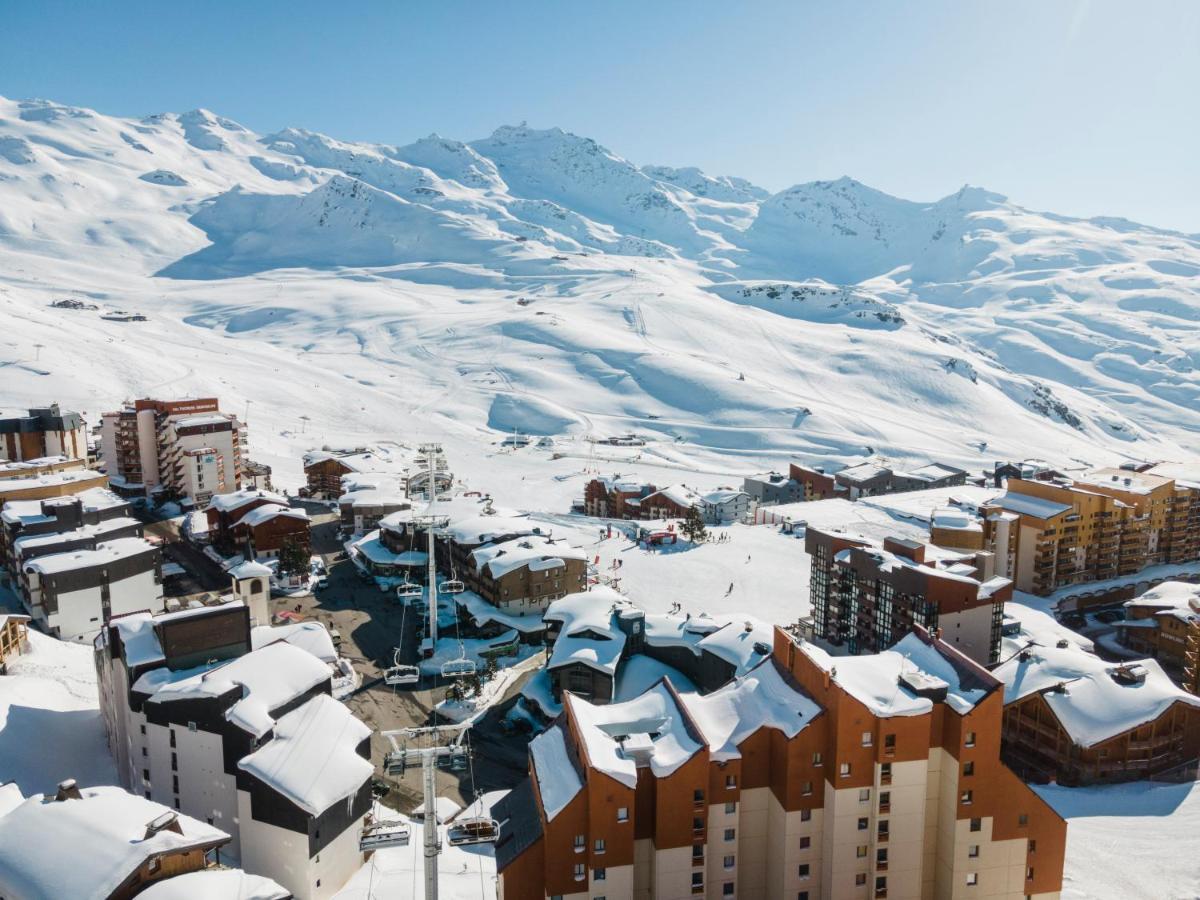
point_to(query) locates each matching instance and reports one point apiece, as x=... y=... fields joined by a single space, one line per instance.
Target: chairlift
x=473 y=830
x=458 y=668
x=408 y=589
x=398 y=673
x=451 y=586
x=396 y=762
x=455 y=762
x=389 y=833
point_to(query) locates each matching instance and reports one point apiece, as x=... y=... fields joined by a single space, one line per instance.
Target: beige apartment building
x=1112 y=522
x=809 y=777
x=186 y=449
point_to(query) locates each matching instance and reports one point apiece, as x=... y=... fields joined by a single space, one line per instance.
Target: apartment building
x=57 y=515
x=607 y=497
x=1050 y=534
x=1164 y=623
x=525 y=574
x=100 y=842
x=45 y=431
x=815 y=483
x=772 y=489
x=866 y=596
x=237 y=726
x=365 y=500
x=73 y=595
x=265 y=519
x=809 y=777
x=50 y=484
x=1076 y=719
x=183 y=449
x=42 y=465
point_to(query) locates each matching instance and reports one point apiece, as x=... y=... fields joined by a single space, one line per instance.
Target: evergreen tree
x=693 y=527
x=293 y=558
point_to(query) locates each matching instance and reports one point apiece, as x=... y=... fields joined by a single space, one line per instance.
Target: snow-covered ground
x=50 y=724
x=1137 y=841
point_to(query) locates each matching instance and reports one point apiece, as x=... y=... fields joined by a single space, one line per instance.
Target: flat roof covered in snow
x=104 y=554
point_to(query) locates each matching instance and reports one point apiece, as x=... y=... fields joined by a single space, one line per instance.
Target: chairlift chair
x=473 y=830
x=389 y=833
x=398 y=673
x=408 y=589
x=458 y=668
x=451 y=586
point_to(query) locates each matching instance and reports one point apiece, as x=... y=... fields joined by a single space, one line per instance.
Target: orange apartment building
x=809 y=777
x=1050 y=534
x=1164 y=623
x=46 y=431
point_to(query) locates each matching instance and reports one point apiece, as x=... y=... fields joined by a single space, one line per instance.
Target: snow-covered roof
x=951 y=518
x=558 y=780
x=723 y=495
x=1186 y=474
x=269 y=511
x=651 y=730
x=1179 y=598
x=249 y=568
x=313 y=759
x=269 y=678
x=639 y=673
x=534 y=551
x=862 y=472
x=238 y=499
x=104 y=554
x=622 y=485
x=1030 y=506
x=371 y=547
x=484 y=528
x=933 y=471
x=92 y=500
x=48 y=479
x=88 y=847
x=444 y=809
x=586 y=610
x=735 y=639
x=1123 y=480
x=381 y=495
x=99 y=529
x=679 y=494
x=760 y=699
x=602 y=654
x=310 y=636
x=883 y=682
x=215 y=884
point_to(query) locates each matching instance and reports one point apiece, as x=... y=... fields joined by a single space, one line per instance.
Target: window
x=973 y=851
x=730 y=808
x=881 y=857
x=697 y=796
x=863 y=823
x=730 y=781
x=864 y=795
x=146 y=794
x=805 y=842
x=580 y=871
x=806 y=788
x=172 y=738
x=844 y=770
x=622 y=814
x=142 y=728
x=972 y=879
x=880 y=885
x=580 y=842
x=697 y=851
x=1033 y=846
x=885 y=801
x=889 y=742
x=805 y=815
x=728 y=861
x=599 y=874
x=600 y=846
x=175 y=783
x=866 y=739
x=697 y=824
x=697 y=879
x=803 y=870
x=174 y=763
x=1029 y=874
x=861 y=851
x=727 y=889
x=817 y=759
x=1022 y=820
x=860 y=879
x=730 y=834
x=883 y=830
x=145 y=774
x=885 y=773
x=803 y=895
x=977 y=824
x=969 y=741
x=191 y=726
x=968 y=769
x=145 y=752
x=967 y=797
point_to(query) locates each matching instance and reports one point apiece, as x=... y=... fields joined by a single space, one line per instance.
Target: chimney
x=67 y=790
x=168 y=821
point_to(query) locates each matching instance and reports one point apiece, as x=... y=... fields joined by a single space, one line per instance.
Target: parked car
x=322 y=583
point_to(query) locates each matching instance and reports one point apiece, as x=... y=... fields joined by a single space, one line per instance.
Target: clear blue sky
x=1078 y=107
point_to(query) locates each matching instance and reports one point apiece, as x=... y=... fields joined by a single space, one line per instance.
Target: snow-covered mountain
x=536 y=280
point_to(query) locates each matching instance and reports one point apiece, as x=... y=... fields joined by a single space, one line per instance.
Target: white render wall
x=80 y=613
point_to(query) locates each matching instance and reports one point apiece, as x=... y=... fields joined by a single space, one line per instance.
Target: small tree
x=489 y=668
x=293 y=558
x=693 y=527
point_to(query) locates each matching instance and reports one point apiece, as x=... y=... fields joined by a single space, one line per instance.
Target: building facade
x=185 y=449
x=866 y=597
x=1114 y=522
x=796 y=782
x=525 y=574
x=45 y=431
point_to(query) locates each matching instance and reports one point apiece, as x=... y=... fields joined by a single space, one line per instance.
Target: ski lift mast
x=429 y=758
x=435 y=461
